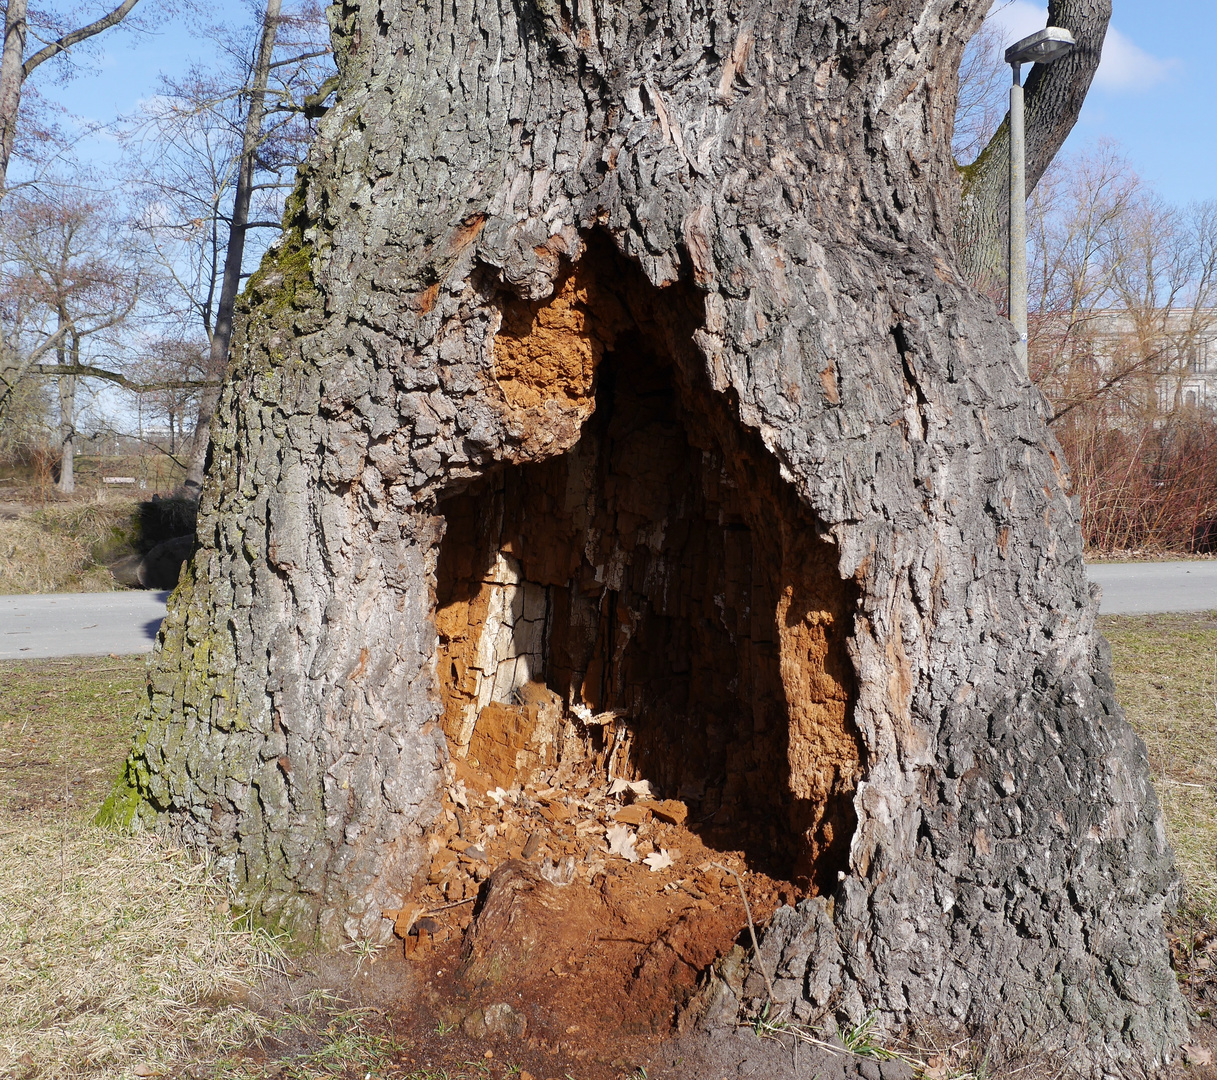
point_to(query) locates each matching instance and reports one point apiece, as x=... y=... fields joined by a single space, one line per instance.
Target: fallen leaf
x=937 y=1069
x=498 y=796
x=658 y=860
x=1198 y=1055
x=639 y=788
x=621 y=842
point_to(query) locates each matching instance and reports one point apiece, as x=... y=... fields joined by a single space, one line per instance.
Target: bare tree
x=1122 y=311
x=983 y=87
x=16 y=66
x=1077 y=217
x=73 y=280
x=211 y=159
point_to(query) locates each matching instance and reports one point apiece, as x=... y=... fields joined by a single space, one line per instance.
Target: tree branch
x=68 y=40
x=300 y=59
x=88 y=371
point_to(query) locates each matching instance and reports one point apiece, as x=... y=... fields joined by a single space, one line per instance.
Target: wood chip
x=672 y=811
x=632 y=815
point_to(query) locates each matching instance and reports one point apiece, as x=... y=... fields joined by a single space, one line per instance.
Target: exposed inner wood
x=654 y=600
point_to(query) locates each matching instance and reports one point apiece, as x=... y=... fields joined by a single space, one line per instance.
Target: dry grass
x=117 y=956
x=52 y=548
x=1166 y=679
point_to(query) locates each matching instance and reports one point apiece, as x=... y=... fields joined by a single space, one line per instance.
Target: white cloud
x=1017 y=18
x=1125 y=65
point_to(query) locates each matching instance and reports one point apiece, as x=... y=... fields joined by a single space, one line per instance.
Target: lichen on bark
x=781 y=180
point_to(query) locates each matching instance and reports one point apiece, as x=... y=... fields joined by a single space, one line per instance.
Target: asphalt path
x=123 y=623
x=1148 y=588
x=79 y=624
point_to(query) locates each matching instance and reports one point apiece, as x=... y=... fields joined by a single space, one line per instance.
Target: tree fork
x=834 y=410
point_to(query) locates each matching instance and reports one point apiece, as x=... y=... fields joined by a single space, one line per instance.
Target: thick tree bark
x=234 y=256
x=647 y=319
x=16 y=29
x=1054 y=94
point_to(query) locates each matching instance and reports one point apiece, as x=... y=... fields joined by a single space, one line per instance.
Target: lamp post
x=1042 y=47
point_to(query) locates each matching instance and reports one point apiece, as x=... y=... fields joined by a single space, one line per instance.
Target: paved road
x=94 y=624
x=79 y=624
x=1145 y=588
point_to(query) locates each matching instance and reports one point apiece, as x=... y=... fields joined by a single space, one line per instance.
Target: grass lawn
x=119 y=956
x=116 y=958
x=1166 y=679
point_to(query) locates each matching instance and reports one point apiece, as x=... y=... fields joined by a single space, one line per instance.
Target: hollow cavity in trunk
x=653 y=603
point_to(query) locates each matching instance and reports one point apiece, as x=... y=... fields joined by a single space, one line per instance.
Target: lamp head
x=1042 y=47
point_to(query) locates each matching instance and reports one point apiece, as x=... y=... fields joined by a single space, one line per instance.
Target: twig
x=445 y=907
x=756 y=949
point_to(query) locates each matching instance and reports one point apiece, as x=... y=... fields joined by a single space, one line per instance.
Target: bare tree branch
x=74 y=37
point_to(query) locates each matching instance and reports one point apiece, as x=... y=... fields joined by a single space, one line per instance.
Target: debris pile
x=612 y=883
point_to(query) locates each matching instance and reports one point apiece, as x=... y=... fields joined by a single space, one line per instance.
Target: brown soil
x=576 y=936
x=426 y=1034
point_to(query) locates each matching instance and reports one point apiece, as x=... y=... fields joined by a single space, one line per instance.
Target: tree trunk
x=629 y=355
x=16 y=29
x=67 y=416
x=1054 y=94
x=221 y=335
x=67 y=434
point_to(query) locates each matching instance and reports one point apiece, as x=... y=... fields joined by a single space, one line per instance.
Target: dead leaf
x=621 y=842
x=1198 y=1055
x=640 y=789
x=658 y=860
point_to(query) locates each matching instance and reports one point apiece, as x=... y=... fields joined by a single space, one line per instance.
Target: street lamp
x=1042 y=47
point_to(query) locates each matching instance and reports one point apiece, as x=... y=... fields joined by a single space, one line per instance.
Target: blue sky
x=1156 y=90
x=1155 y=93
x=123 y=66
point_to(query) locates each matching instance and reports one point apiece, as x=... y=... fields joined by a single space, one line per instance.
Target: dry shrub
x=1149 y=486
x=117 y=956
x=55 y=548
